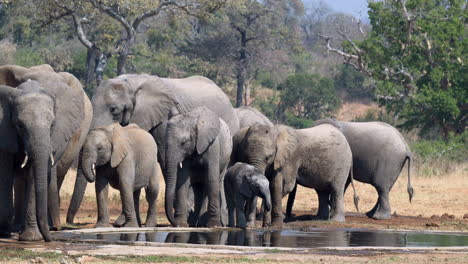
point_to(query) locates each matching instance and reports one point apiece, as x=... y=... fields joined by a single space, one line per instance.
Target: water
x=296 y=239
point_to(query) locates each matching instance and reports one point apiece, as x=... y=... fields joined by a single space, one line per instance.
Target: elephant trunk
x=171 y=180
x=171 y=163
x=78 y=192
x=88 y=165
x=266 y=196
x=41 y=164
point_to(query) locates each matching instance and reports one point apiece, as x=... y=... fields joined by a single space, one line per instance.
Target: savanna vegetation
x=296 y=61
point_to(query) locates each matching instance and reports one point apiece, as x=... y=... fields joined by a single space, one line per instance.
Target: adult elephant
x=379 y=154
x=249 y=116
x=319 y=157
x=44 y=119
x=148 y=100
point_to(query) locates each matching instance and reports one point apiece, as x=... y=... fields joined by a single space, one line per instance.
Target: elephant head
x=38 y=118
x=133 y=98
x=187 y=134
x=263 y=146
x=260 y=186
x=104 y=145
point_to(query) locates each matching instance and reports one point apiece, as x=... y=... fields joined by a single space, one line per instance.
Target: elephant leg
x=128 y=206
x=240 y=213
x=136 y=204
x=382 y=209
x=31 y=230
x=102 y=190
x=6 y=194
x=337 y=207
x=231 y=206
x=213 y=190
x=120 y=221
x=251 y=208
x=180 y=203
x=323 y=210
x=290 y=204
x=276 y=188
x=53 y=201
x=199 y=216
x=20 y=198
x=222 y=199
x=152 y=192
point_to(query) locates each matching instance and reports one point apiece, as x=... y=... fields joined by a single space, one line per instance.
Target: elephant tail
x=355 y=196
x=409 y=187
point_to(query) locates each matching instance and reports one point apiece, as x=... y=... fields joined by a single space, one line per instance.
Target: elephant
x=319 y=157
x=379 y=154
x=147 y=101
x=125 y=157
x=44 y=119
x=249 y=116
x=242 y=184
x=198 y=150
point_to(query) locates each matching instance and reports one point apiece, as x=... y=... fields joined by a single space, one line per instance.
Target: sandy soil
x=439 y=204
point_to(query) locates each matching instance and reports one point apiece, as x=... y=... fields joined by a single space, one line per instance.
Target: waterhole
x=295 y=239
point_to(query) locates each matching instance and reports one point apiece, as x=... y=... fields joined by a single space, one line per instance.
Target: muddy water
x=296 y=239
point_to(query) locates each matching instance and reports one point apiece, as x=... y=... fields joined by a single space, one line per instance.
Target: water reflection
x=296 y=239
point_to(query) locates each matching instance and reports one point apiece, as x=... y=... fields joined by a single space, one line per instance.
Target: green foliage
x=308 y=95
x=375 y=115
x=455 y=148
x=266 y=79
x=353 y=82
x=297 y=121
x=420 y=62
x=28 y=57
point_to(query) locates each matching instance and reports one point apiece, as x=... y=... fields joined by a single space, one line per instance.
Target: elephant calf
x=242 y=184
x=125 y=157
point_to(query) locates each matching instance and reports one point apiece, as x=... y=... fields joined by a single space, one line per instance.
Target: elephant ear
x=237 y=140
x=120 y=145
x=42 y=67
x=208 y=127
x=8 y=135
x=286 y=145
x=153 y=102
x=12 y=75
x=69 y=107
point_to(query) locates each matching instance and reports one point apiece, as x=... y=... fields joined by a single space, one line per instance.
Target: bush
x=453 y=149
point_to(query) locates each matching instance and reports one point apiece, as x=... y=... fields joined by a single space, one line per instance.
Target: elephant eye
x=114 y=110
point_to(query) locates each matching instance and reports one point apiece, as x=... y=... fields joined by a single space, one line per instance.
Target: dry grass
x=433 y=195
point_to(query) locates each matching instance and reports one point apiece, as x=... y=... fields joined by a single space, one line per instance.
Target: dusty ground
x=439 y=204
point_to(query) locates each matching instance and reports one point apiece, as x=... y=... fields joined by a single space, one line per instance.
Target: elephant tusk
x=25 y=161
x=180 y=165
x=52 y=161
x=94 y=169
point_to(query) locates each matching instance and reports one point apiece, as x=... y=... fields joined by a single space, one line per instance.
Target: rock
x=63 y=261
x=434 y=217
x=465 y=216
x=432 y=224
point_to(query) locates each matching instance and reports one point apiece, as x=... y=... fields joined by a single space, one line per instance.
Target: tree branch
x=98 y=4
x=80 y=32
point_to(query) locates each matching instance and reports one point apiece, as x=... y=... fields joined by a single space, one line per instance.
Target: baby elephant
x=125 y=157
x=242 y=185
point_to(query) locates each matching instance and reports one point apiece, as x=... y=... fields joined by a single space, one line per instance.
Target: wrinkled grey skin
x=319 y=156
x=242 y=184
x=249 y=116
x=147 y=101
x=379 y=154
x=125 y=158
x=198 y=150
x=45 y=119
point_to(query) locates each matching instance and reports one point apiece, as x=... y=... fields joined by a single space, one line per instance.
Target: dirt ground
x=438 y=204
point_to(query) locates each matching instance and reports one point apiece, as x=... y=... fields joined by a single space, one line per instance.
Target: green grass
x=23 y=254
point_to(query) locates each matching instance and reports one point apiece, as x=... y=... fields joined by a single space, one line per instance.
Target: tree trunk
x=240 y=85
x=91 y=57
x=123 y=55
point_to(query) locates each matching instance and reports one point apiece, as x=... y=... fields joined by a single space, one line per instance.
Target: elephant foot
x=120 y=221
x=30 y=234
x=277 y=223
x=338 y=218
x=379 y=215
x=5 y=234
x=133 y=223
x=102 y=224
x=151 y=223
x=250 y=224
x=214 y=222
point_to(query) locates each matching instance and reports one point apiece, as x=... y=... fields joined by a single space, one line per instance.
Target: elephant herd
x=216 y=160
